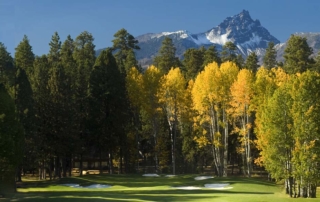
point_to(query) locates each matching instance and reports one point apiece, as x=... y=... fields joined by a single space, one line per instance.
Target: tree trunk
x=70 y=165
x=80 y=166
x=226 y=136
x=64 y=166
x=155 y=145
x=18 y=173
x=100 y=162
x=110 y=162
x=312 y=191
x=120 y=159
x=57 y=172
x=248 y=157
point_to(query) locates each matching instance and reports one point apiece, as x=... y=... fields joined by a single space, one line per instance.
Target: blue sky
x=39 y=19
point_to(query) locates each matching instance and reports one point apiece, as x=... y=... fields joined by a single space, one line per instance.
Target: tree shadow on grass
x=131 y=195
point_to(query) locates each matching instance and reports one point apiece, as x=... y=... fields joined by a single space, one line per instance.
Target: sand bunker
x=187 y=188
x=93 y=186
x=218 y=186
x=71 y=185
x=98 y=186
x=170 y=175
x=150 y=175
x=203 y=177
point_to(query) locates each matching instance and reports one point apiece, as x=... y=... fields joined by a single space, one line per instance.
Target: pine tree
x=6 y=65
x=84 y=56
x=55 y=48
x=70 y=74
x=252 y=62
x=107 y=98
x=39 y=82
x=297 y=55
x=192 y=62
x=24 y=56
x=270 y=57
x=316 y=65
x=229 y=52
x=240 y=62
x=11 y=144
x=131 y=61
x=123 y=45
x=166 y=58
x=211 y=55
x=23 y=98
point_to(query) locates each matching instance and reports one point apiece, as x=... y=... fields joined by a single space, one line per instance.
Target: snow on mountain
x=247 y=34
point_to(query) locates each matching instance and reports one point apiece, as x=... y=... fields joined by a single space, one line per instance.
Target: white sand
x=93 y=186
x=72 y=185
x=150 y=175
x=170 y=175
x=203 y=177
x=98 y=186
x=218 y=186
x=187 y=188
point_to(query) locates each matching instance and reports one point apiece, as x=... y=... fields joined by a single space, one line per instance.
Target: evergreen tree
x=66 y=56
x=211 y=55
x=107 y=95
x=55 y=48
x=240 y=62
x=166 y=58
x=124 y=44
x=11 y=144
x=131 y=61
x=297 y=55
x=229 y=52
x=84 y=56
x=6 y=65
x=270 y=57
x=70 y=73
x=252 y=62
x=192 y=62
x=23 y=98
x=316 y=65
x=24 y=56
x=39 y=82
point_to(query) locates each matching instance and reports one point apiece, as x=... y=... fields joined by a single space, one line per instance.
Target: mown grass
x=143 y=189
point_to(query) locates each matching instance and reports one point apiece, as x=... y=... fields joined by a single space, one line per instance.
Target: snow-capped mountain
x=247 y=34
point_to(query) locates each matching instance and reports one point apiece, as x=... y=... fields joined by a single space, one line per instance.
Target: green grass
x=138 y=188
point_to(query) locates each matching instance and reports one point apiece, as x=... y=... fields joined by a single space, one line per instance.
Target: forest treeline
x=209 y=109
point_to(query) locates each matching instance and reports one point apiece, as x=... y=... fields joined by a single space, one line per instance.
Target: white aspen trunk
x=226 y=136
x=212 y=132
x=249 y=148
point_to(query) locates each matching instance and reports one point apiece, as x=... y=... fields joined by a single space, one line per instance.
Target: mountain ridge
x=247 y=34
